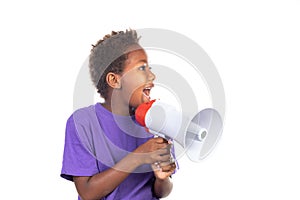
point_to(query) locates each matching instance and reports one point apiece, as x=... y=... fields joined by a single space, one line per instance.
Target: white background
x=255 y=46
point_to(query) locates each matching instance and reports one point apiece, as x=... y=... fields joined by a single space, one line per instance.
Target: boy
x=107 y=155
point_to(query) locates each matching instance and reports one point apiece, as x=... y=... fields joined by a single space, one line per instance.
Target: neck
x=118 y=109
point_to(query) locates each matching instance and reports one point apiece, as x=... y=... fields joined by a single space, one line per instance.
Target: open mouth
x=146 y=92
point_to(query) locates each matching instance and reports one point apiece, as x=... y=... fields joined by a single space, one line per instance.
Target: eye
x=142 y=68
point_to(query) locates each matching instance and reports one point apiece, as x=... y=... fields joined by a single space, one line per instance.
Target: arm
x=163 y=171
x=163 y=188
x=101 y=184
x=163 y=184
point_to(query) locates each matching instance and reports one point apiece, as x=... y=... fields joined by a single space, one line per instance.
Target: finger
x=155 y=166
x=160 y=140
x=167 y=170
x=167 y=167
x=161 y=146
x=162 y=152
x=164 y=158
x=169 y=173
x=166 y=164
x=164 y=146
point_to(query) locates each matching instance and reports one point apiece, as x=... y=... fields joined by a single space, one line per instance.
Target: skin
x=124 y=94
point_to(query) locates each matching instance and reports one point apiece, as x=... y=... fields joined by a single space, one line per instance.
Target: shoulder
x=82 y=115
x=84 y=111
x=80 y=118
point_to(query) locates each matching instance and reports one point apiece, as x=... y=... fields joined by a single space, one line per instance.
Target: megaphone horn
x=198 y=135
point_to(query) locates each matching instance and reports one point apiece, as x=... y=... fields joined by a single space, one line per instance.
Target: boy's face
x=137 y=79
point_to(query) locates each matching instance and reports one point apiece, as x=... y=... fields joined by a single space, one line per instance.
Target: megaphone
x=197 y=134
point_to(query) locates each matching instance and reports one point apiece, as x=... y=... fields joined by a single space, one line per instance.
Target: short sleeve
x=77 y=161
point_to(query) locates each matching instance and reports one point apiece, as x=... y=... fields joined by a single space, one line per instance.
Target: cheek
x=136 y=98
x=130 y=90
x=131 y=83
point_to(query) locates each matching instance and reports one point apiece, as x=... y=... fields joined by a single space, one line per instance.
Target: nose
x=151 y=75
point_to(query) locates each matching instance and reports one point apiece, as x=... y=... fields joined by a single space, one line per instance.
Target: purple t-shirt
x=96 y=140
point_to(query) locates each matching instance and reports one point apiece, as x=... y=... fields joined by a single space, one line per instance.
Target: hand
x=154 y=150
x=163 y=170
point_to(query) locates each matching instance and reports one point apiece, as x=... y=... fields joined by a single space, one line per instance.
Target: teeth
x=146 y=96
x=146 y=92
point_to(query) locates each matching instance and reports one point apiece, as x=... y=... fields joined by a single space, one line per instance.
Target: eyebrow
x=143 y=60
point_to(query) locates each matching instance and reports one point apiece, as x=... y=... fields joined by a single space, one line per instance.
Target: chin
x=136 y=101
x=146 y=99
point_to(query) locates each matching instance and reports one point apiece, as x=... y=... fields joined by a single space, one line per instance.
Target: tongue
x=146 y=92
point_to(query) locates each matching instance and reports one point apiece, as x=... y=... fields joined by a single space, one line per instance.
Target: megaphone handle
x=170 y=141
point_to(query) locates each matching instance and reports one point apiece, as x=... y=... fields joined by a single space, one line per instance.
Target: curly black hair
x=109 y=55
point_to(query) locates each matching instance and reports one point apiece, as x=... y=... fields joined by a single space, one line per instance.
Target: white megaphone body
x=197 y=134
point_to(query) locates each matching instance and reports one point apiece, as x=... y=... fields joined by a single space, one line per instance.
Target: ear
x=113 y=80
